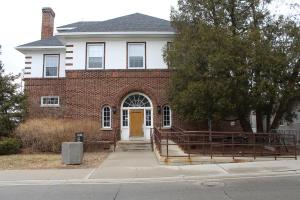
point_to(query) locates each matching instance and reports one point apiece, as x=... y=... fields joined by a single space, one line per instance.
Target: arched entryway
x=136 y=117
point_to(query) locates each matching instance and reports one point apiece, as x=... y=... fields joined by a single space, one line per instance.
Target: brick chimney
x=47 y=23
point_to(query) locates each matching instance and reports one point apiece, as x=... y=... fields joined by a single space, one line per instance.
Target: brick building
x=109 y=71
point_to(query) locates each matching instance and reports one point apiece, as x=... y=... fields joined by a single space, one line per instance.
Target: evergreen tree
x=232 y=57
x=12 y=103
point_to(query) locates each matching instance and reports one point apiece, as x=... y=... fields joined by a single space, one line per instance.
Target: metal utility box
x=72 y=153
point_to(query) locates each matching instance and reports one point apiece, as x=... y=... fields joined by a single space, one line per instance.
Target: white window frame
x=163 y=116
x=44 y=63
x=126 y=118
x=102 y=44
x=144 y=54
x=50 y=105
x=150 y=110
x=103 y=126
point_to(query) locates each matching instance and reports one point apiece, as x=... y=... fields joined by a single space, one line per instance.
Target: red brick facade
x=48 y=16
x=83 y=93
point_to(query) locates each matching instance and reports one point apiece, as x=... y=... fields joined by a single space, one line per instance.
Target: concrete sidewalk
x=126 y=165
x=134 y=166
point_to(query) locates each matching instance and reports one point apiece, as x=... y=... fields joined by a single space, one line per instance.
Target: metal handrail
x=240 y=143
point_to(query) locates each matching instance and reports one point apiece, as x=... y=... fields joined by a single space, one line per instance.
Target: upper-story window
x=136 y=55
x=170 y=47
x=95 y=56
x=51 y=64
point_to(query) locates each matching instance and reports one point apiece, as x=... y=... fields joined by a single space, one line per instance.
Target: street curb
x=151 y=180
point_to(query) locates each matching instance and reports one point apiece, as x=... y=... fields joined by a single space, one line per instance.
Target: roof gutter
x=20 y=48
x=136 y=33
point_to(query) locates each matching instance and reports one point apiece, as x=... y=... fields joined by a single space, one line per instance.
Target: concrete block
x=72 y=153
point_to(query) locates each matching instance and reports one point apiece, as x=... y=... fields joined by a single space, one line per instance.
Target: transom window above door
x=51 y=63
x=95 y=55
x=136 y=100
x=136 y=55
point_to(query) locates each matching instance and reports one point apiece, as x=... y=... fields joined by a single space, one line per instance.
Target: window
x=50 y=101
x=106 y=117
x=170 y=46
x=125 y=118
x=281 y=122
x=136 y=100
x=166 y=116
x=136 y=55
x=148 y=117
x=51 y=63
x=95 y=56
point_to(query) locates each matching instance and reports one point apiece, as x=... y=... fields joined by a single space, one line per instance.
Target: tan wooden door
x=136 y=123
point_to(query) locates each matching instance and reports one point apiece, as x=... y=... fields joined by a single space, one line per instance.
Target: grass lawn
x=48 y=161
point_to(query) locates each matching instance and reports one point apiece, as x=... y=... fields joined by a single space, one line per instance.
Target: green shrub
x=9 y=146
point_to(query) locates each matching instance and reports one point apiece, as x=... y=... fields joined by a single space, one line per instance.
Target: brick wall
x=35 y=88
x=48 y=16
x=88 y=91
x=83 y=93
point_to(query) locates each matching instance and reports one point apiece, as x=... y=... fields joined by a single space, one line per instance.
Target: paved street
x=132 y=166
x=272 y=188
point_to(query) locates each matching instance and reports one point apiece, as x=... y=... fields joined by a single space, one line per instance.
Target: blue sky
x=20 y=20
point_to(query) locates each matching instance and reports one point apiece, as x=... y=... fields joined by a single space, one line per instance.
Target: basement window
x=50 y=101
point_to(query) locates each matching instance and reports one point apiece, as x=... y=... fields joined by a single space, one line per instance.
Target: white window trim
x=144 y=55
x=106 y=127
x=169 y=126
x=50 y=105
x=45 y=75
x=127 y=118
x=103 y=56
x=150 y=109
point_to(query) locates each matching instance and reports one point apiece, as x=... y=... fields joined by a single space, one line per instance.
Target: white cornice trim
x=65 y=29
x=41 y=47
x=154 y=33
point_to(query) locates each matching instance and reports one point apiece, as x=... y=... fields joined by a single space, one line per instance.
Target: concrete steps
x=135 y=145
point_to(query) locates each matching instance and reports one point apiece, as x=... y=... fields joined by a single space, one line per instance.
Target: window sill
x=50 y=106
x=106 y=129
x=166 y=127
x=136 y=68
x=100 y=68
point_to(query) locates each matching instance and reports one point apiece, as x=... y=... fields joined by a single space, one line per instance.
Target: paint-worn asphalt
x=271 y=188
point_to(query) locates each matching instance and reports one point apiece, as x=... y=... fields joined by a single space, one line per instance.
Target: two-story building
x=110 y=71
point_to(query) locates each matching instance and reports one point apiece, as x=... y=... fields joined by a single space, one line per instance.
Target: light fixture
x=114 y=109
x=158 y=109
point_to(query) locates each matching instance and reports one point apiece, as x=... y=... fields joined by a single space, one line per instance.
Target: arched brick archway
x=141 y=89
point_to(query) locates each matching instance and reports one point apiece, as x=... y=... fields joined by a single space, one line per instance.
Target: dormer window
x=95 y=55
x=51 y=64
x=136 y=55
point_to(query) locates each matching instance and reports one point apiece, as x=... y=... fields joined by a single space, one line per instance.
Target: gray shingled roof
x=52 y=41
x=128 y=23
